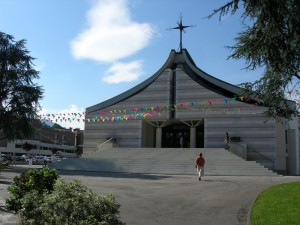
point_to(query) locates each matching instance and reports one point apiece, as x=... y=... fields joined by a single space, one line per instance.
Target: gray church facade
x=182 y=106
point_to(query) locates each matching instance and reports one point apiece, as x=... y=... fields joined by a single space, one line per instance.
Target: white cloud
x=111 y=34
x=65 y=117
x=123 y=72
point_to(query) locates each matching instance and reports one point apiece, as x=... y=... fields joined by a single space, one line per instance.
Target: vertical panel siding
x=128 y=133
x=193 y=101
x=222 y=115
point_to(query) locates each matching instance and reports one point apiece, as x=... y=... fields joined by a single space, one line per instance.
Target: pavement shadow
x=85 y=172
x=216 y=180
x=113 y=174
x=5 y=182
x=3 y=209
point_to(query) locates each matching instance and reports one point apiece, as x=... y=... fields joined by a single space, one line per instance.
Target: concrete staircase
x=219 y=162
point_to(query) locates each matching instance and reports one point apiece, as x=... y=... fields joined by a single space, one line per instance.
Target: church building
x=183 y=106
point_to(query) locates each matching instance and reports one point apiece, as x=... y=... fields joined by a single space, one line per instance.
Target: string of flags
x=135 y=113
x=62 y=117
x=295 y=92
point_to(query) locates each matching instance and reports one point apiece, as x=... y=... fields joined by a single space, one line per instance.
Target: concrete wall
x=235 y=117
x=280 y=151
x=148 y=135
x=239 y=149
x=263 y=137
x=129 y=133
x=293 y=147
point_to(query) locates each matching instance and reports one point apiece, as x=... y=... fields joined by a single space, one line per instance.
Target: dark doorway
x=200 y=136
x=176 y=136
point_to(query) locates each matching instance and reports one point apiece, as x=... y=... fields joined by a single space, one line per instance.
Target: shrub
x=69 y=204
x=2 y=166
x=39 y=180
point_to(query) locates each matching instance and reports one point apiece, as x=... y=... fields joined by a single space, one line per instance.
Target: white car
x=56 y=159
x=41 y=158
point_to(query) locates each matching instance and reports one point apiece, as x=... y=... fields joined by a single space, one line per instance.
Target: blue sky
x=88 y=51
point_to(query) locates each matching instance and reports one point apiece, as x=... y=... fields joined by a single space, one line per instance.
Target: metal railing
x=108 y=140
x=99 y=147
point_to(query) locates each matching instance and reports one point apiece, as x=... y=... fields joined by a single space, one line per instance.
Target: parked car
x=24 y=157
x=6 y=159
x=2 y=157
x=20 y=158
x=56 y=159
x=41 y=158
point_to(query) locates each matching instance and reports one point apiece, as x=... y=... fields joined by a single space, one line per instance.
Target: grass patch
x=279 y=205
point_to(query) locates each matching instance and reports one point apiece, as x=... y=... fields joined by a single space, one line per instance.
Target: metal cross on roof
x=181 y=28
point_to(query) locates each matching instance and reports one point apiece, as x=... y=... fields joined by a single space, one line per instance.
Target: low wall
x=239 y=149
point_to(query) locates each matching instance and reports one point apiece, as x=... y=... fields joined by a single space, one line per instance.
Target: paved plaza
x=159 y=199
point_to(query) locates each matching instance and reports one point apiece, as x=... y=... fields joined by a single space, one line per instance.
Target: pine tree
x=19 y=95
x=270 y=40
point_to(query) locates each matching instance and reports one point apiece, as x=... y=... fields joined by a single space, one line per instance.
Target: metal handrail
x=243 y=147
x=99 y=146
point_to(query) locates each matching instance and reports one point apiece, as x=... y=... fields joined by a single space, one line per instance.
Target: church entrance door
x=176 y=136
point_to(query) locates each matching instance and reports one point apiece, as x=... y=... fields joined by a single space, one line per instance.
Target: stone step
x=164 y=161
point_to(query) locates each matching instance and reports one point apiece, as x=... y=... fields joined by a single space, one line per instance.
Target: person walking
x=200 y=161
x=226 y=141
x=9 y=159
x=30 y=160
x=14 y=159
x=181 y=141
x=45 y=161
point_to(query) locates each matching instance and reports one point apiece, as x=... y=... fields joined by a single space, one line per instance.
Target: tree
x=54 y=151
x=70 y=204
x=270 y=40
x=27 y=146
x=19 y=95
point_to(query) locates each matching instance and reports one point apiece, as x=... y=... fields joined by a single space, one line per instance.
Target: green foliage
x=39 y=180
x=19 y=95
x=69 y=204
x=270 y=40
x=27 y=146
x=277 y=205
x=2 y=166
x=54 y=151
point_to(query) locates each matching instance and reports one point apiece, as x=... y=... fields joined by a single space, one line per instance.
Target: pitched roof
x=176 y=59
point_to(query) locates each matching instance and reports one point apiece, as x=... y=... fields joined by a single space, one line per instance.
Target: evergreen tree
x=19 y=95
x=270 y=40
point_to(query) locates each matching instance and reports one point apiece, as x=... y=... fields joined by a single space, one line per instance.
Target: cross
x=181 y=28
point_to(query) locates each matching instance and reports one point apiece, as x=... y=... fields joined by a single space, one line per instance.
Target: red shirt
x=200 y=161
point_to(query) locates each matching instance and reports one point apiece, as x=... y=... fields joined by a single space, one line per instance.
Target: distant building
x=45 y=141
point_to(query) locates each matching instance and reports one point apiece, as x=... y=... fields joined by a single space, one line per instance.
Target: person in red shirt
x=200 y=161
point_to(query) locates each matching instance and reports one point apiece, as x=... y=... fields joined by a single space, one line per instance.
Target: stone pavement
x=157 y=199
